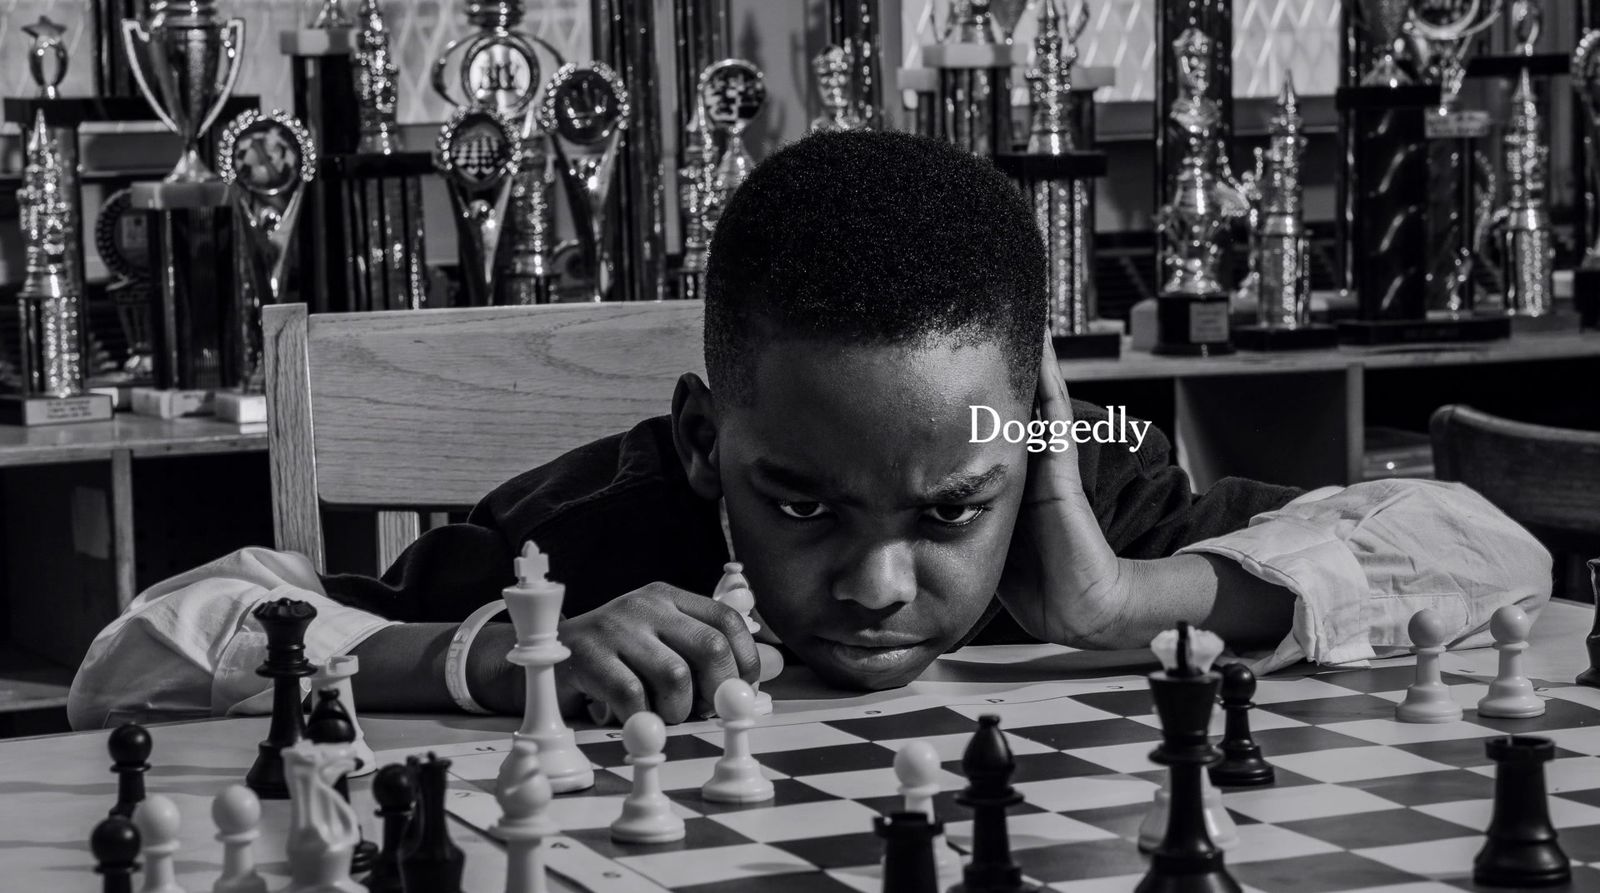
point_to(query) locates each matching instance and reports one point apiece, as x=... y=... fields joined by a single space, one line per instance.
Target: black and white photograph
x=800 y=446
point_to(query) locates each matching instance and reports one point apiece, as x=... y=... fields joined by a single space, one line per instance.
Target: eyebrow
x=953 y=488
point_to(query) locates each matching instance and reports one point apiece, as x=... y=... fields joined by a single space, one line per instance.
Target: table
x=62 y=602
x=54 y=789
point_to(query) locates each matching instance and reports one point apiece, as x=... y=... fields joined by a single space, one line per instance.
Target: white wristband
x=455 y=660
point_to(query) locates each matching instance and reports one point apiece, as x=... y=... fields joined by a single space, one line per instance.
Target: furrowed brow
x=962 y=486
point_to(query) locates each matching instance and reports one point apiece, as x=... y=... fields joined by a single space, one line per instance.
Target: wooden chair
x=428 y=410
x=1547 y=479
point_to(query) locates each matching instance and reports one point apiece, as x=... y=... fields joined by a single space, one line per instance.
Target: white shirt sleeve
x=1361 y=560
x=188 y=647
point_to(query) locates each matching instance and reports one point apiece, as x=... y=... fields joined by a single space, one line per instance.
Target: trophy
x=696 y=177
x=47 y=57
x=1280 y=248
x=477 y=153
x=193 y=60
x=585 y=109
x=267 y=159
x=1586 y=83
x=1192 y=309
x=50 y=306
x=732 y=93
x=853 y=29
x=832 y=68
x=974 y=79
x=1059 y=181
x=1386 y=30
x=499 y=69
x=329 y=14
x=122 y=239
x=1524 y=222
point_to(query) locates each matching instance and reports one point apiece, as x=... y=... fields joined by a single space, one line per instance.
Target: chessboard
x=1361 y=801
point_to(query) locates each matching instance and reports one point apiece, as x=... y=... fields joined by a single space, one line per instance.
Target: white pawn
x=157 y=819
x=1220 y=827
x=1428 y=699
x=647 y=815
x=524 y=824
x=336 y=674
x=916 y=766
x=737 y=777
x=1511 y=694
x=237 y=814
x=733 y=590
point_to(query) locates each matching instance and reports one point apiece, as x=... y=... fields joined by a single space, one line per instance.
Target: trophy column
x=324 y=98
x=624 y=38
x=1586 y=83
x=974 y=80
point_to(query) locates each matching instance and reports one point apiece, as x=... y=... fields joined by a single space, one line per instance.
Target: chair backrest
x=1540 y=476
x=400 y=411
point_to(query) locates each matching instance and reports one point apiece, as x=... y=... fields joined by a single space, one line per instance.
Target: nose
x=882 y=577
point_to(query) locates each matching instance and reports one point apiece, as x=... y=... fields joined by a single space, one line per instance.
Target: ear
x=694 y=435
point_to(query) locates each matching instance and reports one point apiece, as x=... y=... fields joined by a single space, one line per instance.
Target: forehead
x=883 y=411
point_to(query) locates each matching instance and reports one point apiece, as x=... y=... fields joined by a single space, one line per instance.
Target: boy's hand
x=1062 y=581
x=658 y=648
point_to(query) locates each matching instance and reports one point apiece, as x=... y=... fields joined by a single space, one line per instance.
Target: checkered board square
x=1361 y=802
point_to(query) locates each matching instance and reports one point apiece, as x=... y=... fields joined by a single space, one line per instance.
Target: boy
x=866 y=291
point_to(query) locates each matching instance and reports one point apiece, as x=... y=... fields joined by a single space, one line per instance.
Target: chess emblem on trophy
x=477 y=152
x=267 y=158
x=832 y=68
x=585 y=110
x=732 y=93
x=185 y=62
x=122 y=239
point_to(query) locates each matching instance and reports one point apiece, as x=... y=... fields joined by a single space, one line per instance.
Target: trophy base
x=1509 y=65
x=164 y=196
x=29 y=411
x=171 y=403
x=237 y=406
x=1088 y=346
x=1270 y=338
x=317 y=42
x=1373 y=333
x=1586 y=297
x=1192 y=326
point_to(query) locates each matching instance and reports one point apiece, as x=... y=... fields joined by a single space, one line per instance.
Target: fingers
x=605 y=678
x=740 y=644
x=667 y=679
x=1054 y=404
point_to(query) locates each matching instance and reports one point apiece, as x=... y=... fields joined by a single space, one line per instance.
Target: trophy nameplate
x=1464 y=124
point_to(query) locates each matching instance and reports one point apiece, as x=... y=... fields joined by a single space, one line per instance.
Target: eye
x=803 y=511
x=956 y=515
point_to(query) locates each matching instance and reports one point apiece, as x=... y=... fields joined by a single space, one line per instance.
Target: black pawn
x=988 y=765
x=285 y=621
x=395 y=789
x=1591 y=676
x=115 y=844
x=1521 y=850
x=130 y=758
x=908 y=865
x=331 y=724
x=431 y=860
x=1242 y=765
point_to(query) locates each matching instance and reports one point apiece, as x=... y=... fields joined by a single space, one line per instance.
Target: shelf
x=31 y=683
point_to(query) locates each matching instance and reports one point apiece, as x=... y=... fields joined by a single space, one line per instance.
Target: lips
x=874 y=640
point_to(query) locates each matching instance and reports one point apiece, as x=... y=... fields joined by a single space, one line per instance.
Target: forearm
x=403 y=670
x=1206 y=590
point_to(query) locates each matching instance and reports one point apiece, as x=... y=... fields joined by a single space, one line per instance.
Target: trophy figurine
x=1192 y=309
x=1280 y=247
x=1386 y=30
x=185 y=62
x=47 y=64
x=1524 y=222
x=47 y=57
x=585 y=109
x=329 y=14
x=267 y=159
x=50 y=307
x=477 y=153
x=832 y=68
x=732 y=93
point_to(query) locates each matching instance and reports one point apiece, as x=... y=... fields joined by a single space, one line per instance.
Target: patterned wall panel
x=1270 y=37
x=422 y=28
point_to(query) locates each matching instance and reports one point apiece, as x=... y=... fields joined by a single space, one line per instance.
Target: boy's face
x=872 y=530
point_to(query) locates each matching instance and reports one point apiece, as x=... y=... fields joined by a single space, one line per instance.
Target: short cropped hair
x=871 y=237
